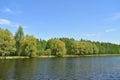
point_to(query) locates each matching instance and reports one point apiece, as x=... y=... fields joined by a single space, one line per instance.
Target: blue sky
x=97 y=20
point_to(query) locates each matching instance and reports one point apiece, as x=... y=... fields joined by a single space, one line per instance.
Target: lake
x=82 y=68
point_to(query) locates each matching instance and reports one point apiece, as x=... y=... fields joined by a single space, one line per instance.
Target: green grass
x=78 y=55
x=14 y=57
x=42 y=56
x=52 y=56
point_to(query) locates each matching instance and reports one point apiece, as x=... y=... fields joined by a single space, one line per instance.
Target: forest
x=27 y=45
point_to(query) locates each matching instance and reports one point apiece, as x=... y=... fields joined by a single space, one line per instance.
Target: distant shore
x=52 y=56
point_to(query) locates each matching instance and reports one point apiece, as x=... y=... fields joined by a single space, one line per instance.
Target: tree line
x=27 y=45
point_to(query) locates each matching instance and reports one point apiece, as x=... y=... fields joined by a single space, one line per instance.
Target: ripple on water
x=106 y=76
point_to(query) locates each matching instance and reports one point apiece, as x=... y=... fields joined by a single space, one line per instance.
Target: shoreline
x=70 y=56
x=52 y=56
x=14 y=57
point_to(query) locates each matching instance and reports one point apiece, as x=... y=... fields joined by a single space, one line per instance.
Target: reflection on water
x=22 y=69
x=83 y=68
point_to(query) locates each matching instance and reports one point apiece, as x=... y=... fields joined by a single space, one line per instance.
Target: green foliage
x=57 y=47
x=41 y=46
x=30 y=46
x=75 y=47
x=95 y=49
x=108 y=48
x=83 y=47
x=7 y=43
x=48 y=52
x=68 y=43
x=19 y=37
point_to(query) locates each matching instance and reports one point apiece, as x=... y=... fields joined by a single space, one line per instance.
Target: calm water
x=83 y=68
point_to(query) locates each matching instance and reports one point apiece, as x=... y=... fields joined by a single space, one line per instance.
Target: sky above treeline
x=96 y=20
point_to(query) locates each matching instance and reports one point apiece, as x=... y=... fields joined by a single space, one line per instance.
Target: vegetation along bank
x=29 y=46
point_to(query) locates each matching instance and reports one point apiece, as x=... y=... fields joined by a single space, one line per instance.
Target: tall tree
x=19 y=37
x=75 y=47
x=30 y=46
x=7 y=43
x=41 y=47
x=95 y=49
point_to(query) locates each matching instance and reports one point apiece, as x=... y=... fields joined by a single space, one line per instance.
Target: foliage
x=83 y=47
x=68 y=43
x=7 y=43
x=21 y=45
x=19 y=37
x=30 y=46
x=57 y=47
x=41 y=46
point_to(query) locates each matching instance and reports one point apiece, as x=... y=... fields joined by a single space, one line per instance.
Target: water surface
x=82 y=68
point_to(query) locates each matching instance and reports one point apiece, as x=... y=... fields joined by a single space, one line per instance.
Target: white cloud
x=10 y=23
x=5 y=22
x=89 y=35
x=115 y=16
x=110 y=30
x=8 y=10
x=11 y=11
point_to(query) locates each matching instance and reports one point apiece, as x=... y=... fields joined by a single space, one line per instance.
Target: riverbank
x=52 y=56
x=92 y=55
x=14 y=57
x=68 y=56
x=103 y=55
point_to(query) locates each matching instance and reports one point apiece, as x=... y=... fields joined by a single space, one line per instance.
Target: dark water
x=83 y=68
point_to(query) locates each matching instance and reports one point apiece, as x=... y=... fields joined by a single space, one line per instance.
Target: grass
x=14 y=57
x=52 y=56
x=45 y=56
x=65 y=56
x=88 y=55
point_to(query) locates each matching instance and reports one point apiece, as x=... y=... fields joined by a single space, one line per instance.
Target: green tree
x=41 y=47
x=30 y=46
x=75 y=47
x=48 y=52
x=19 y=37
x=38 y=47
x=7 y=43
x=83 y=48
x=68 y=43
x=95 y=49
x=57 y=47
